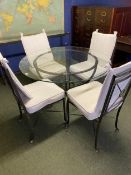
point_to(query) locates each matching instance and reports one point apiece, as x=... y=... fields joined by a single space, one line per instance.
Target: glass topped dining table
x=54 y=65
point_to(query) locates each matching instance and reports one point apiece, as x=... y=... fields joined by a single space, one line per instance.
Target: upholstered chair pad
x=43 y=93
x=52 y=66
x=24 y=92
x=100 y=71
x=35 y=45
x=102 y=45
x=85 y=98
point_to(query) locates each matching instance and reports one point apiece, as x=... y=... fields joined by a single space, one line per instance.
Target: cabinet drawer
x=103 y=17
x=86 y=42
x=86 y=19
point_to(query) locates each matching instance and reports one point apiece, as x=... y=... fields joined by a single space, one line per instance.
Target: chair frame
x=22 y=107
x=110 y=61
x=80 y=82
x=98 y=120
x=2 y=74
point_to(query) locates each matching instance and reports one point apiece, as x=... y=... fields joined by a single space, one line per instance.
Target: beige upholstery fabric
x=90 y=98
x=35 y=45
x=21 y=88
x=102 y=46
x=115 y=99
x=100 y=72
x=85 y=98
x=51 y=66
x=1 y=57
x=43 y=93
x=36 y=95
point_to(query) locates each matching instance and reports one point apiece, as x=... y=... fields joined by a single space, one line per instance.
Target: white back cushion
x=115 y=99
x=20 y=87
x=35 y=45
x=102 y=45
x=1 y=57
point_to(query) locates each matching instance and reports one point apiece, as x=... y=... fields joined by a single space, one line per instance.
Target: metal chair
x=95 y=99
x=32 y=97
x=102 y=46
x=38 y=44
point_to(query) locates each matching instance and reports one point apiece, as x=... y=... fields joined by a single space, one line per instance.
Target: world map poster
x=30 y=16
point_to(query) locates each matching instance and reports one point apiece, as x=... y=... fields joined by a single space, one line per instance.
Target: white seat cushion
x=43 y=93
x=51 y=66
x=90 y=98
x=100 y=71
x=85 y=98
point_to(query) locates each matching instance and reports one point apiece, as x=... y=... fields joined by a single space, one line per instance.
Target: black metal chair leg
x=94 y=126
x=96 y=134
x=64 y=106
x=116 y=121
x=67 y=112
x=32 y=135
x=2 y=74
x=20 y=110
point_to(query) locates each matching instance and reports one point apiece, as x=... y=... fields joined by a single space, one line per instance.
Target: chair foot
x=117 y=130
x=66 y=125
x=31 y=141
x=97 y=150
x=20 y=118
x=31 y=138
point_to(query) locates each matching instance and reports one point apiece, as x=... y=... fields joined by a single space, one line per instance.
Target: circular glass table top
x=57 y=62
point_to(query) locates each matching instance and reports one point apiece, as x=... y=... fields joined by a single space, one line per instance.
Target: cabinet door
x=103 y=19
x=126 y=24
x=77 y=25
x=82 y=25
x=88 y=25
x=117 y=22
x=122 y=21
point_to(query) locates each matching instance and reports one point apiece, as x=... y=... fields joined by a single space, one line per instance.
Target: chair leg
x=2 y=76
x=67 y=113
x=32 y=135
x=64 y=106
x=96 y=133
x=116 y=121
x=94 y=126
x=69 y=82
x=20 y=110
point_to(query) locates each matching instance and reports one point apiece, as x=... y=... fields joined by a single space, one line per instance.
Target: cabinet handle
x=102 y=21
x=88 y=12
x=88 y=19
x=103 y=13
x=87 y=34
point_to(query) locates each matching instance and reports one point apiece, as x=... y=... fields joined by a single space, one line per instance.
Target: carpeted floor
x=60 y=151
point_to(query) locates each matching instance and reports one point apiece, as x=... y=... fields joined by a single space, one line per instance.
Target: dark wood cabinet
x=86 y=19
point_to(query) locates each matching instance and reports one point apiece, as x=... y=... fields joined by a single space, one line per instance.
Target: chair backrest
x=13 y=80
x=115 y=88
x=102 y=45
x=35 y=45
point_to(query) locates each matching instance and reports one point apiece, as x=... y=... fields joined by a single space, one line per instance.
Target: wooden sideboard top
x=124 y=44
x=124 y=40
